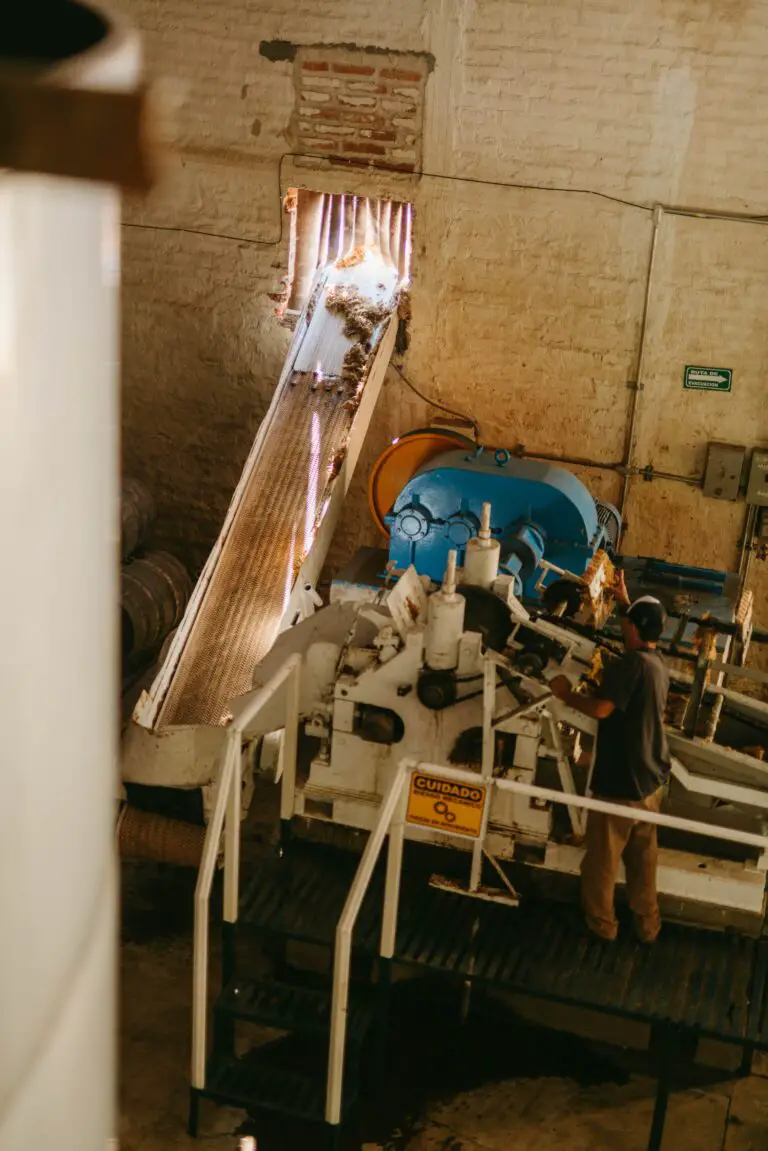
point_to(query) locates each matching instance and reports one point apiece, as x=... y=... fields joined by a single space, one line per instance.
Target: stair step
x=288 y=1007
x=261 y=1086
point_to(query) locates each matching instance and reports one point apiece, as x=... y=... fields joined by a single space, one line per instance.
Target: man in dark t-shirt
x=631 y=767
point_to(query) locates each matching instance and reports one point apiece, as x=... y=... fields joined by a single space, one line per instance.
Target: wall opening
x=332 y=228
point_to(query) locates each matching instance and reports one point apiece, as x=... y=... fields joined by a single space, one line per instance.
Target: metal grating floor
x=249 y=589
x=694 y=978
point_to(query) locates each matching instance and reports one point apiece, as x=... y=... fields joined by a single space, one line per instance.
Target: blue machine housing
x=537 y=512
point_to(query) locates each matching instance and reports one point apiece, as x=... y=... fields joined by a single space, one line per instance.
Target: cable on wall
x=436 y=403
x=391 y=170
x=338 y=161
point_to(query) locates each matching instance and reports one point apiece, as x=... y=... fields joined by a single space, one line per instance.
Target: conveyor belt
x=247 y=596
x=241 y=599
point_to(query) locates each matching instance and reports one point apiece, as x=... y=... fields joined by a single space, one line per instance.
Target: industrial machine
x=414 y=709
x=457 y=674
x=544 y=519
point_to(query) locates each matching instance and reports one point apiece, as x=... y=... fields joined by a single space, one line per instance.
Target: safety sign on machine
x=446 y=805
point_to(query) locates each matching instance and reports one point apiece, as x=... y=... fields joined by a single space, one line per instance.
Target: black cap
x=649 y=617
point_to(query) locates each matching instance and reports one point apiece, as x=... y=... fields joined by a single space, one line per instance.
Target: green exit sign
x=708 y=379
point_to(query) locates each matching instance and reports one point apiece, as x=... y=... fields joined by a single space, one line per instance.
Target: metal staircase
x=255 y=1080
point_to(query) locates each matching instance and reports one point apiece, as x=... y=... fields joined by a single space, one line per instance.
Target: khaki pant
x=609 y=839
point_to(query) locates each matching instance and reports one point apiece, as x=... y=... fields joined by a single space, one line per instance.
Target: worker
x=631 y=767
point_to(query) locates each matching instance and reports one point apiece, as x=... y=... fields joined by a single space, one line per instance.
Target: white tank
x=445 y=622
x=481 y=559
x=59 y=593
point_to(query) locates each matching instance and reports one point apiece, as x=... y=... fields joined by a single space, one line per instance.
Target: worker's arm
x=586 y=704
x=621 y=679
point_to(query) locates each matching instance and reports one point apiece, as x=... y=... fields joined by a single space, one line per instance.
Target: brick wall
x=526 y=302
x=361 y=105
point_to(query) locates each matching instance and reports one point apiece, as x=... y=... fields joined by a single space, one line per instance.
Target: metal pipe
x=290 y=747
x=520 y=452
x=747 y=540
x=343 y=943
x=392 y=880
x=486 y=771
x=629 y=447
x=705 y=214
x=232 y=829
x=603 y=466
x=449 y=580
x=653 y=474
x=59 y=496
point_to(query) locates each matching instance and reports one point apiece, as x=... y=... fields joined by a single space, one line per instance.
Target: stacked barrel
x=155 y=588
x=155 y=585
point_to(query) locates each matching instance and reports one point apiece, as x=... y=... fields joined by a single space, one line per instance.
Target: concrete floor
x=581 y=1093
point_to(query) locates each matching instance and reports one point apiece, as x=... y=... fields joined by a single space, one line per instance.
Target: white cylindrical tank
x=481 y=559
x=59 y=510
x=445 y=622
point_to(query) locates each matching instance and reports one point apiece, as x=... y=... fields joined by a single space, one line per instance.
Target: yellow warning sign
x=446 y=805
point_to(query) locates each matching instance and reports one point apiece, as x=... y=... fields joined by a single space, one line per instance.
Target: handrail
x=226 y=818
x=343 y=943
x=394 y=803
x=202 y=896
x=637 y=814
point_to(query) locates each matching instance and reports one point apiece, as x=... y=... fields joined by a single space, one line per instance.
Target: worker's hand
x=560 y=687
x=619 y=589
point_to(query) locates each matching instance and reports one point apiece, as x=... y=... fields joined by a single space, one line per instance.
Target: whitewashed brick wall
x=526 y=302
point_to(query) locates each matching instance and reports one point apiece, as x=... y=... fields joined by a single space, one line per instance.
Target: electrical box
x=757 y=485
x=722 y=475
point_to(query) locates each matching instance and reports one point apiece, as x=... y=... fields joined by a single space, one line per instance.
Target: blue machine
x=537 y=512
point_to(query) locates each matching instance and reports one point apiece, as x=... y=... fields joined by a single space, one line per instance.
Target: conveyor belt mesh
x=245 y=600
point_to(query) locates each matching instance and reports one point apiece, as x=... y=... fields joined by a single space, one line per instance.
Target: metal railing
x=225 y=819
x=392 y=820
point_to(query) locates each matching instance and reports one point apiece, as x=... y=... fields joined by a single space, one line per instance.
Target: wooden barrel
x=137 y=516
x=155 y=591
x=143 y=835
